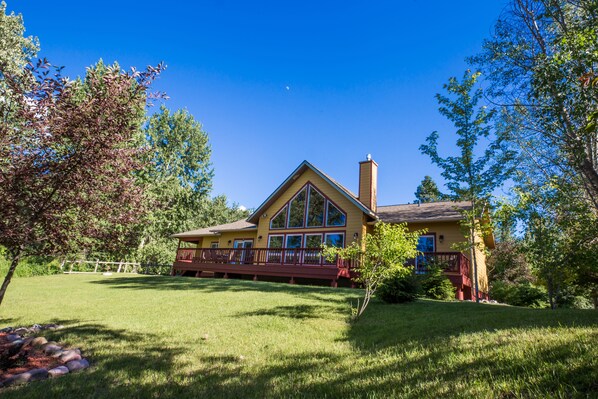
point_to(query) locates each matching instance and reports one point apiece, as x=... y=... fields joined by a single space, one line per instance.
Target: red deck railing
x=258 y=256
x=451 y=262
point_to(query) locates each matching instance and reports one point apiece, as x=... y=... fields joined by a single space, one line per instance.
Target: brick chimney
x=368 y=183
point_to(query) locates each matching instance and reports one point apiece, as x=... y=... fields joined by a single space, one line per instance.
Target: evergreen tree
x=428 y=191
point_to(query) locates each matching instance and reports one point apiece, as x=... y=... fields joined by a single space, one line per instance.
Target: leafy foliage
x=540 y=65
x=378 y=256
x=67 y=158
x=470 y=176
x=16 y=50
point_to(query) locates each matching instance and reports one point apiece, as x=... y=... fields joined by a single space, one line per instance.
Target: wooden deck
x=305 y=263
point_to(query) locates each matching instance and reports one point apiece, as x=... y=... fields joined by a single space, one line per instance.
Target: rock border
x=18 y=338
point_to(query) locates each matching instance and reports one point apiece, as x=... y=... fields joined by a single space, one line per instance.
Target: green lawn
x=143 y=336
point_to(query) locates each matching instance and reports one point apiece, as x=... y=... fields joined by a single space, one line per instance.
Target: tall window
x=297 y=210
x=308 y=208
x=315 y=209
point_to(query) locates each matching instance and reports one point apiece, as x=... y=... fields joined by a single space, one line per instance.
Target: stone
x=76 y=365
x=31 y=375
x=6 y=330
x=15 y=346
x=205 y=337
x=67 y=356
x=22 y=331
x=12 y=337
x=57 y=353
x=50 y=348
x=39 y=341
x=58 y=371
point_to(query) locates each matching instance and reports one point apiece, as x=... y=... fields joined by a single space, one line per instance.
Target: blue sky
x=274 y=83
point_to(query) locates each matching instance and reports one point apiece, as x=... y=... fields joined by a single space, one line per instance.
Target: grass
x=143 y=336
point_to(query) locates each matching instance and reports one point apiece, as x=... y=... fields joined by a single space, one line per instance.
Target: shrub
x=519 y=294
x=30 y=266
x=435 y=285
x=399 y=288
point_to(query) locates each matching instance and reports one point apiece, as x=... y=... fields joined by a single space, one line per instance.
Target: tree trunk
x=550 y=288
x=13 y=265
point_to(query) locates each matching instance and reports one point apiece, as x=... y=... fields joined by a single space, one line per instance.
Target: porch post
x=460 y=292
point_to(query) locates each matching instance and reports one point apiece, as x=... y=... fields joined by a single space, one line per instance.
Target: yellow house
x=281 y=239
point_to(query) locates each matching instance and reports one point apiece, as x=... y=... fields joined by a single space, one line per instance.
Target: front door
x=245 y=255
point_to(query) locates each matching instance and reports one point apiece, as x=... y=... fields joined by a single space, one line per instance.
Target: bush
x=519 y=294
x=30 y=266
x=399 y=289
x=435 y=285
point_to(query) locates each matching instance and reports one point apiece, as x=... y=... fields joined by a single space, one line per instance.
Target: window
x=297 y=210
x=313 y=240
x=335 y=240
x=275 y=241
x=274 y=254
x=278 y=221
x=334 y=216
x=214 y=244
x=293 y=241
x=426 y=243
x=315 y=208
x=308 y=208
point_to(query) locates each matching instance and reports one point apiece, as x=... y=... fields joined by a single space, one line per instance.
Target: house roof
x=427 y=212
x=254 y=217
x=239 y=225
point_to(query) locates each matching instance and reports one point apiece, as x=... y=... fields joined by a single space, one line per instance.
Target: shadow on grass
x=167 y=283
x=409 y=351
x=296 y=312
x=385 y=325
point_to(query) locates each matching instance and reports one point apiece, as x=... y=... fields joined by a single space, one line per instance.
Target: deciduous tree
x=483 y=163
x=539 y=63
x=378 y=256
x=67 y=158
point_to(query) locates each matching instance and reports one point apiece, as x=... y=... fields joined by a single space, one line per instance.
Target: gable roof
x=305 y=165
x=239 y=225
x=427 y=212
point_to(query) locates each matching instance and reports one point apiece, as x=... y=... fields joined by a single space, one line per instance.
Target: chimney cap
x=368 y=157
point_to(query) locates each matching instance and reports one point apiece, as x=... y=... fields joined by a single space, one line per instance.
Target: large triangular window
x=308 y=208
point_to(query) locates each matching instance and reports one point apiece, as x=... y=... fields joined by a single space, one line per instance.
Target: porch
x=305 y=263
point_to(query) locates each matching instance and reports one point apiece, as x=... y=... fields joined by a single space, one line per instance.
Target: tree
x=67 y=158
x=560 y=238
x=378 y=256
x=539 y=64
x=428 y=191
x=16 y=50
x=177 y=178
x=470 y=177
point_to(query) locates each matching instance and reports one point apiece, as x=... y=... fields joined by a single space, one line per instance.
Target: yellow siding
x=452 y=235
x=355 y=216
x=368 y=182
x=223 y=240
